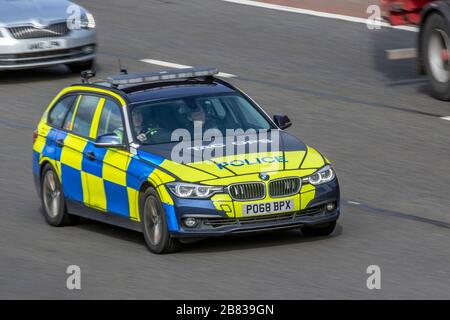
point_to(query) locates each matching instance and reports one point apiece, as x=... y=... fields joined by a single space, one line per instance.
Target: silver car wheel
x=51 y=194
x=152 y=221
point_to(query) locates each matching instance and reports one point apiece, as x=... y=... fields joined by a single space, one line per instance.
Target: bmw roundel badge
x=264 y=176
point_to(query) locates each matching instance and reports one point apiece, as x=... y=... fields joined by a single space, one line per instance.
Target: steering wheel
x=158 y=135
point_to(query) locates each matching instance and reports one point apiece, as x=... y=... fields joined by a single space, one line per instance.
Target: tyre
x=153 y=218
x=81 y=66
x=319 y=231
x=52 y=197
x=435 y=50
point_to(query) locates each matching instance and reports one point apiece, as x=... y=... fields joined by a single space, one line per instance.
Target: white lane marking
x=318 y=14
x=182 y=66
x=354 y=202
x=446 y=118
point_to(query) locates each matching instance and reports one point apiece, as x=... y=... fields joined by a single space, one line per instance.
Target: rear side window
x=59 y=111
x=84 y=115
x=110 y=120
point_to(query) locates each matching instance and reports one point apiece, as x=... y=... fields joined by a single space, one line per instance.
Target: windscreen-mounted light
x=144 y=77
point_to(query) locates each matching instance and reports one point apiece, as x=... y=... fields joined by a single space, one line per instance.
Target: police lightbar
x=145 y=77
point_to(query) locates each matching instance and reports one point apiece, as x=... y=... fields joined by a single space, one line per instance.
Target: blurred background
x=373 y=118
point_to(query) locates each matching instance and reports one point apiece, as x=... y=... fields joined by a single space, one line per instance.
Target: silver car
x=39 y=33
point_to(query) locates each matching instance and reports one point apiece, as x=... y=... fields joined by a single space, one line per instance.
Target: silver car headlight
x=323 y=175
x=190 y=190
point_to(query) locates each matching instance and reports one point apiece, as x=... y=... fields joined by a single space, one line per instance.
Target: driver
x=144 y=133
x=139 y=129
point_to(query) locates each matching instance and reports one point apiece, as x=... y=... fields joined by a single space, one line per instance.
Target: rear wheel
x=53 y=202
x=435 y=50
x=319 y=231
x=153 y=218
x=78 y=67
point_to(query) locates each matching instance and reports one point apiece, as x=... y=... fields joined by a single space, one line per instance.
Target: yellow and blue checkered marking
x=111 y=182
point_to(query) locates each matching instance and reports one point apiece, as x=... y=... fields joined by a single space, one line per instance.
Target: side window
x=59 y=111
x=69 y=118
x=84 y=115
x=111 y=120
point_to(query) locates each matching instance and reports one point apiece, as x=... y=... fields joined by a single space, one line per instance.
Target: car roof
x=175 y=90
x=166 y=84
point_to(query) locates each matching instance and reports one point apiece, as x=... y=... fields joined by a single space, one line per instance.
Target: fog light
x=330 y=206
x=190 y=222
x=88 y=49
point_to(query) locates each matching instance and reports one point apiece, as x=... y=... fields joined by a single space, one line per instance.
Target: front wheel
x=153 y=218
x=436 y=51
x=319 y=231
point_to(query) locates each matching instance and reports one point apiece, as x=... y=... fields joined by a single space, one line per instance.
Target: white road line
x=446 y=118
x=318 y=13
x=354 y=203
x=181 y=66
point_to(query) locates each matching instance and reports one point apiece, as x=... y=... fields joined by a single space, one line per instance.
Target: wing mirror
x=282 y=121
x=109 y=140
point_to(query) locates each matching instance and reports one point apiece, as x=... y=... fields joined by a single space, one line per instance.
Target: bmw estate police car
x=153 y=152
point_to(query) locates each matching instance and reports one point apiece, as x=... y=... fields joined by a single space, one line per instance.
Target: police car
x=178 y=155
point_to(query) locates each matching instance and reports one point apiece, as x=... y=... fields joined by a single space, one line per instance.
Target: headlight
x=87 y=21
x=189 y=190
x=324 y=175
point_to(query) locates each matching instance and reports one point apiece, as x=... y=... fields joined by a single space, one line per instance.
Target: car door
x=73 y=140
x=56 y=135
x=107 y=167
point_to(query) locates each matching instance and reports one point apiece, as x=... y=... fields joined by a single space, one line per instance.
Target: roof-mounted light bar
x=146 y=77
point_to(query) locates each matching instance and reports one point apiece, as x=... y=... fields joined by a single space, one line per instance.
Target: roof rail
x=148 y=77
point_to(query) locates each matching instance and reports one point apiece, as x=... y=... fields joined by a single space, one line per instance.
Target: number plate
x=47 y=45
x=268 y=207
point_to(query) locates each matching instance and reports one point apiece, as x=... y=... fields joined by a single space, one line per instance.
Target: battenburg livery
x=178 y=155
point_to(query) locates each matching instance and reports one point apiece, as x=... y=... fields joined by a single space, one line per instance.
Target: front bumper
x=77 y=46
x=213 y=223
x=216 y=227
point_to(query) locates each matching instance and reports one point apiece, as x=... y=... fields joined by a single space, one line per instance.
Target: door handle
x=60 y=143
x=90 y=155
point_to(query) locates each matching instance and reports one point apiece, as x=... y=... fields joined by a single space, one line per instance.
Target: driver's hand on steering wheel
x=142 y=137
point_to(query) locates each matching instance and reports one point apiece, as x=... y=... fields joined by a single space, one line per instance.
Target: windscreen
x=154 y=122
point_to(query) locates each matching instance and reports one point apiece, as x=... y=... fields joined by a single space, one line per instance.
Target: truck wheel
x=435 y=50
x=319 y=231
x=53 y=202
x=153 y=218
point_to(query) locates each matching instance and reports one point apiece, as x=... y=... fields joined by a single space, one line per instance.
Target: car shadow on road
x=110 y=231
x=36 y=75
x=254 y=241
x=220 y=244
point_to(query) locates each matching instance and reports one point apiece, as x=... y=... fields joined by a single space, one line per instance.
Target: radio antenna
x=122 y=71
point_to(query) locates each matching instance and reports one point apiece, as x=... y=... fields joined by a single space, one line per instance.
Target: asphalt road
x=374 y=119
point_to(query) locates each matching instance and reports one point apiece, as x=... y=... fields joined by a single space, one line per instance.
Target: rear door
x=77 y=127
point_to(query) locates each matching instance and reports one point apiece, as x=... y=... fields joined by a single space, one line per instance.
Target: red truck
x=433 y=40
